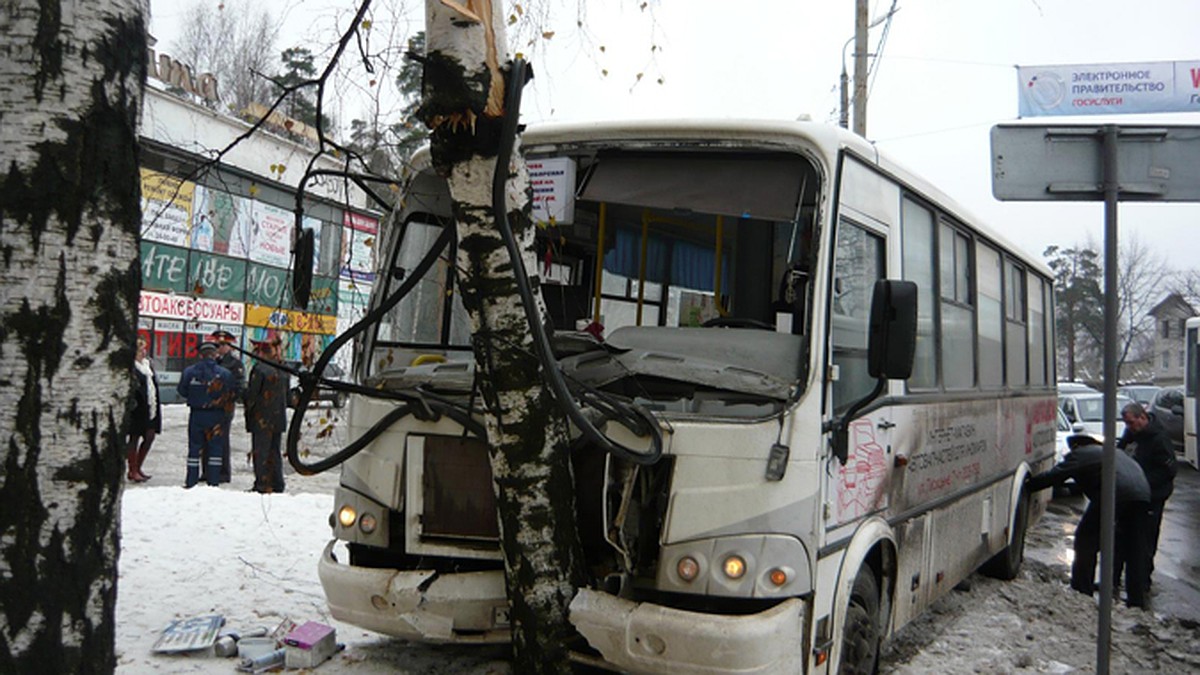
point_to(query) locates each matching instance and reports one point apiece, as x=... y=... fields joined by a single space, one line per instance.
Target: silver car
x=1088 y=409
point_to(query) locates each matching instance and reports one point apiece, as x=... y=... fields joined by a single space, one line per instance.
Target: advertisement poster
x=271 y=236
x=1109 y=89
x=222 y=222
x=358 y=247
x=166 y=208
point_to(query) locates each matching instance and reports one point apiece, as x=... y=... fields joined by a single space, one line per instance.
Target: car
x=1087 y=408
x=1073 y=388
x=332 y=372
x=1064 y=430
x=1167 y=408
x=1141 y=393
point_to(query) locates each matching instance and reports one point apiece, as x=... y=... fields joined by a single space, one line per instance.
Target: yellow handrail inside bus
x=717 y=281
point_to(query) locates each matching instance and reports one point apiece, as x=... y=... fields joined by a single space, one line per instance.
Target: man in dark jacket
x=1083 y=463
x=1148 y=443
x=266 y=417
x=228 y=359
x=206 y=387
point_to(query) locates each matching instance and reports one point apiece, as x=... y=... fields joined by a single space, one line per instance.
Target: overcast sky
x=945 y=75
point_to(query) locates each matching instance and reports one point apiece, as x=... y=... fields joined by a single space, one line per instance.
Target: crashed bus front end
x=679 y=278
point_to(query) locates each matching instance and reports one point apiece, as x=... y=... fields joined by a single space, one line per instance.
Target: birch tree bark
x=70 y=85
x=464 y=85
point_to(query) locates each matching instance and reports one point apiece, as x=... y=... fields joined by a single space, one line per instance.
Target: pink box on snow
x=309 y=645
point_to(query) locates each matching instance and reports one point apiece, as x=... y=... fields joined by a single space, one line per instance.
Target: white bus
x=1191 y=384
x=802 y=510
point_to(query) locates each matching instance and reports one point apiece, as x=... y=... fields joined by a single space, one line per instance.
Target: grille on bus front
x=458 y=499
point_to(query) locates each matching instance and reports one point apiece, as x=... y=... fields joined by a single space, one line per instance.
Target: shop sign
x=290 y=320
x=189 y=308
x=216 y=276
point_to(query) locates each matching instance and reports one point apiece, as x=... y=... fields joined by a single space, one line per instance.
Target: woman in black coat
x=146 y=421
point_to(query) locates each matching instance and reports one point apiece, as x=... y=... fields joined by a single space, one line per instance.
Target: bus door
x=858 y=487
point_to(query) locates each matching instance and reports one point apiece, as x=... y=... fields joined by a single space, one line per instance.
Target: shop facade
x=217 y=237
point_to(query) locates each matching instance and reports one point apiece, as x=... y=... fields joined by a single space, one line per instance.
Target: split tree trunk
x=463 y=104
x=70 y=86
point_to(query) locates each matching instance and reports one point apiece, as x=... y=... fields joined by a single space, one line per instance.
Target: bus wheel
x=1006 y=564
x=861 y=635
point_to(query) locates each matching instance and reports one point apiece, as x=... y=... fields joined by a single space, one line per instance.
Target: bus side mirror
x=302 y=264
x=892 y=338
x=891 y=344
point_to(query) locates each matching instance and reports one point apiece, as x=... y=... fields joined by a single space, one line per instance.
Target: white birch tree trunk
x=463 y=103
x=71 y=81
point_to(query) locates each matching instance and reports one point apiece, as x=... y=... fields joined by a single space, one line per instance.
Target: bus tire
x=1006 y=564
x=861 y=635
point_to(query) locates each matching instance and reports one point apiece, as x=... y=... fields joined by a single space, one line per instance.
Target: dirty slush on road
x=1037 y=624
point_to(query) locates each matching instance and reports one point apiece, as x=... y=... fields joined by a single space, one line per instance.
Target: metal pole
x=1108 y=473
x=860 y=67
x=844 y=82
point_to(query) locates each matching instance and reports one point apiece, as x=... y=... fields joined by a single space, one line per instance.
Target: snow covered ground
x=253 y=559
x=249 y=557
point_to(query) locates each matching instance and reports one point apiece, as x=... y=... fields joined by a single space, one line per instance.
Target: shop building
x=217 y=237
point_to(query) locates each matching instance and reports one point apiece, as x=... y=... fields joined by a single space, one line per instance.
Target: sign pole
x=1108 y=486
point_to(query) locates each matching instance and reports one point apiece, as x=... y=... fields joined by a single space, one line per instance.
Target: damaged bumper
x=648 y=638
x=419 y=605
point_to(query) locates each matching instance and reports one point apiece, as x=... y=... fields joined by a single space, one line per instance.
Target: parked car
x=1073 y=388
x=1088 y=409
x=1141 y=393
x=1167 y=408
x=1064 y=430
x=332 y=372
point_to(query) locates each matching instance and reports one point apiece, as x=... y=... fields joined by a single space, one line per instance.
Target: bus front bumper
x=648 y=638
x=418 y=605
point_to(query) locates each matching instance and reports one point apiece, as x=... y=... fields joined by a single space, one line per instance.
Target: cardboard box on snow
x=309 y=645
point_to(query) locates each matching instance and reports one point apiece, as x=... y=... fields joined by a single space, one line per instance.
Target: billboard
x=1109 y=89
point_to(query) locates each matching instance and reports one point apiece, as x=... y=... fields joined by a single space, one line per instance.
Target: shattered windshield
x=696 y=250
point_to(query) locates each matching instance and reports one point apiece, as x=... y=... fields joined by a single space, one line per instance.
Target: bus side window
x=858 y=263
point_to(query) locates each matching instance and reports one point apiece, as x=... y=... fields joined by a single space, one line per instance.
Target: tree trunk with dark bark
x=70 y=87
x=463 y=104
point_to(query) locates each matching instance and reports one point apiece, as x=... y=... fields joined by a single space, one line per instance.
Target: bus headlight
x=734 y=567
x=367 y=523
x=347 y=515
x=738 y=566
x=687 y=568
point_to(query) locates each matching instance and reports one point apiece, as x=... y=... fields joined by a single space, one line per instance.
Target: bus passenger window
x=858 y=263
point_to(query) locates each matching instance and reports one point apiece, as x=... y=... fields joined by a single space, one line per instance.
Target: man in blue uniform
x=207 y=388
x=228 y=359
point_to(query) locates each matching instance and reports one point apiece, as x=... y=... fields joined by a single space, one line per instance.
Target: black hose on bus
x=416 y=405
x=554 y=377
